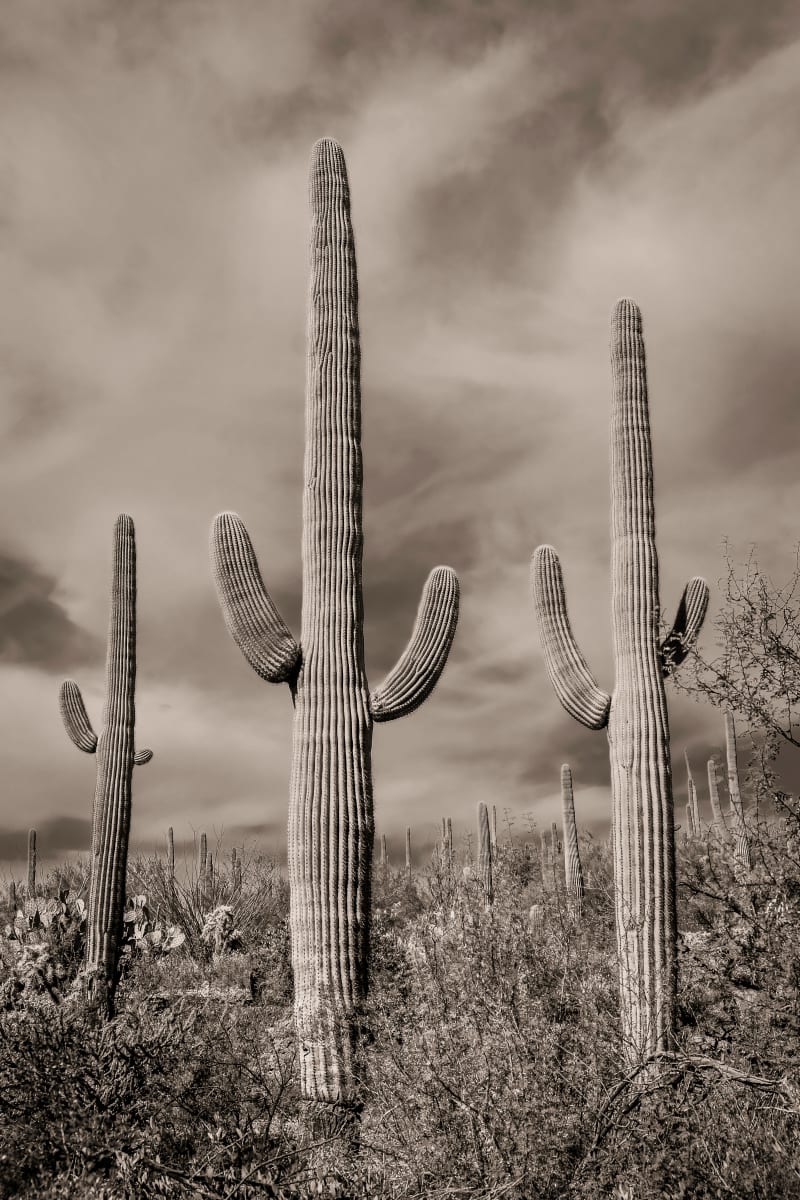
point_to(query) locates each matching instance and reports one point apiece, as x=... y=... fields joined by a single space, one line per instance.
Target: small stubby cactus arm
x=417 y=671
x=252 y=619
x=75 y=718
x=686 y=626
x=572 y=680
x=79 y=727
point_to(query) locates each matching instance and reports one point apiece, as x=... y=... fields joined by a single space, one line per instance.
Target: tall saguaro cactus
x=573 y=872
x=331 y=824
x=116 y=758
x=635 y=715
x=741 y=848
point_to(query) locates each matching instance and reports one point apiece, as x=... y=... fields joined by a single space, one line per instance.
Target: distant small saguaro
x=31 y=862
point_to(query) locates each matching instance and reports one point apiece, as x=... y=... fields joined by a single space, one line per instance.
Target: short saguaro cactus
x=331 y=822
x=116 y=758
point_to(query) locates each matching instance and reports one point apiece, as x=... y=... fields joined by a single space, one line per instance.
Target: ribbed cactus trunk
x=31 y=863
x=741 y=845
x=573 y=872
x=636 y=714
x=692 y=801
x=116 y=758
x=717 y=819
x=12 y=896
x=331 y=825
x=202 y=868
x=555 y=842
x=494 y=827
x=485 y=854
x=638 y=730
x=171 y=853
x=384 y=852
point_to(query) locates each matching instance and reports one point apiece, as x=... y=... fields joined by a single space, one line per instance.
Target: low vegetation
x=493 y=1065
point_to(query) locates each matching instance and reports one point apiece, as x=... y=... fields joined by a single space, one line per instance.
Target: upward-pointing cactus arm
x=253 y=621
x=75 y=718
x=141 y=757
x=686 y=626
x=572 y=680
x=418 y=669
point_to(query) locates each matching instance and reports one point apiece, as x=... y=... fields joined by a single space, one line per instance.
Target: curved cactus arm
x=686 y=626
x=418 y=669
x=253 y=621
x=570 y=676
x=142 y=756
x=75 y=718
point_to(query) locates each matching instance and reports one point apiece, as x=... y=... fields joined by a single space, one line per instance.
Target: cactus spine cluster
x=741 y=846
x=331 y=824
x=573 y=872
x=485 y=854
x=635 y=716
x=31 y=862
x=116 y=758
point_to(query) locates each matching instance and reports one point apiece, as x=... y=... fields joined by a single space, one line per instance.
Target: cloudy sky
x=515 y=167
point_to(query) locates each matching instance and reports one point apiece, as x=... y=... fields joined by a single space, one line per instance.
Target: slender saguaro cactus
x=494 y=827
x=449 y=840
x=573 y=872
x=171 y=853
x=331 y=824
x=12 y=896
x=408 y=851
x=717 y=819
x=544 y=852
x=202 y=866
x=690 y=829
x=116 y=758
x=31 y=862
x=555 y=842
x=485 y=854
x=636 y=714
x=384 y=852
x=741 y=847
x=692 y=797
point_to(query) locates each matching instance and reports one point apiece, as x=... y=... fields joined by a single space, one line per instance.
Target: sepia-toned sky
x=515 y=167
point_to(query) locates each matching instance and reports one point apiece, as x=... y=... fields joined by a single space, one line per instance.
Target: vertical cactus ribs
x=116 y=758
x=31 y=863
x=485 y=854
x=573 y=872
x=635 y=716
x=330 y=811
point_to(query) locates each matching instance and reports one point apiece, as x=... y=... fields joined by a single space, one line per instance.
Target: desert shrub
x=191 y=1100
